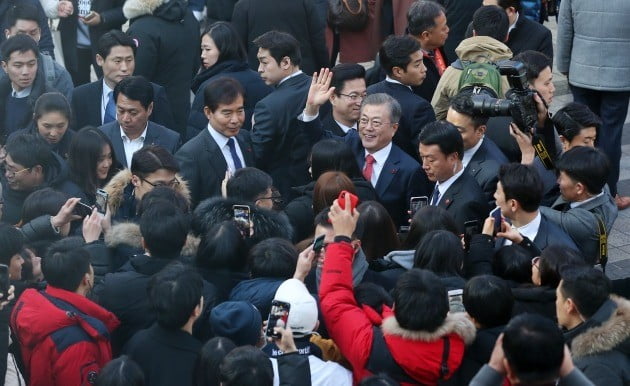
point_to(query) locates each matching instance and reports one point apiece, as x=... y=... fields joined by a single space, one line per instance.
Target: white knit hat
x=303 y=312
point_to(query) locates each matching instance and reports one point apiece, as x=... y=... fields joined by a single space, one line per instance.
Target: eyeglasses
x=375 y=124
x=170 y=184
x=355 y=96
x=10 y=174
x=275 y=199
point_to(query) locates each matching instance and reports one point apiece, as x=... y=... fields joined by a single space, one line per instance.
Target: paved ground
x=619 y=238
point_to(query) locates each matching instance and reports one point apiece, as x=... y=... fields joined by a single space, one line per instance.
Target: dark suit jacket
x=279 y=149
x=529 y=35
x=548 y=234
x=156 y=135
x=402 y=177
x=203 y=166
x=464 y=201
x=331 y=125
x=484 y=166
x=87 y=99
x=416 y=112
x=112 y=18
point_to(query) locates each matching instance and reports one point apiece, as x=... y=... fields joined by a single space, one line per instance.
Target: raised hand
x=320 y=91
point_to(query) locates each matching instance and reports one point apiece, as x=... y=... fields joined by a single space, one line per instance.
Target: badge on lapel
x=394 y=171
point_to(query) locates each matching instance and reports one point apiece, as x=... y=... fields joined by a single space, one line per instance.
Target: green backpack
x=479 y=77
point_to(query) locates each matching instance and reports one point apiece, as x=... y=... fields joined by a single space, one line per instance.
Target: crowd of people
x=310 y=192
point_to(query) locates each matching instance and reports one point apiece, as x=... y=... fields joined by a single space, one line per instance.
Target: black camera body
x=519 y=100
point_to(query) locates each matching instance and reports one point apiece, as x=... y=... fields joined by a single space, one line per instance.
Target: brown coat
x=400 y=15
x=361 y=46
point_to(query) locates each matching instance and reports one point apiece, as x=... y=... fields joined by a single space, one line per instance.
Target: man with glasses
x=348 y=79
x=395 y=176
x=30 y=165
x=401 y=59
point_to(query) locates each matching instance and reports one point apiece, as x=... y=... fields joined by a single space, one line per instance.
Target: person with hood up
x=168 y=49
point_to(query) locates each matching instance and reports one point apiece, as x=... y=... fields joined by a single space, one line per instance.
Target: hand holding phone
x=101 y=201
x=82 y=210
x=278 y=317
x=417 y=203
x=498 y=218
x=341 y=200
x=318 y=244
x=242 y=218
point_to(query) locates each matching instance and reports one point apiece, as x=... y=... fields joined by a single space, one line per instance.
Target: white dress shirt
x=132 y=145
x=105 y=99
x=470 y=153
x=529 y=230
x=222 y=141
x=298 y=72
x=380 y=157
x=576 y=204
x=444 y=185
x=345 y=128
x=390 y=80
x=22 y=93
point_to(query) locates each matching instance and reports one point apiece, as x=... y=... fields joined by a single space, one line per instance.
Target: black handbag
x=348 y=15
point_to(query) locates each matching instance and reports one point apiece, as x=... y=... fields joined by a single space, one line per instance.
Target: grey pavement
x=619 y=238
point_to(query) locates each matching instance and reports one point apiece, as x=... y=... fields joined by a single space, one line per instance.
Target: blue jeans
x=612 y=108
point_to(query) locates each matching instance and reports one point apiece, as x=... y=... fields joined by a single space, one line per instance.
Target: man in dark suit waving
x=132 y=129
x=91 y=103
x=401 y=58
x=441 y=151
x=482 y=157
x=222 y=147
x=280 y=150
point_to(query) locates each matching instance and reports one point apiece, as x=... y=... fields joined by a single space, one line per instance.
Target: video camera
x=519 y=103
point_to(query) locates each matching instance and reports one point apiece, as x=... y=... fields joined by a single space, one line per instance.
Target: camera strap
x=541 y=152
x=603 y=242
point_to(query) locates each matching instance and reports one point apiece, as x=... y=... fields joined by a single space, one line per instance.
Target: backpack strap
x=49 y=70
x=72 y=311
x=381 y=360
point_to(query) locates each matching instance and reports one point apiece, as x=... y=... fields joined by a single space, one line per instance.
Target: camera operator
x=539 y=76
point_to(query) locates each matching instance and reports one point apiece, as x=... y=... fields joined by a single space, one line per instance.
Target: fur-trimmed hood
x=455 y=323
x=171 y=10
x=128 y=234
x=267 y=223
x=116 y=188
x=614 y=333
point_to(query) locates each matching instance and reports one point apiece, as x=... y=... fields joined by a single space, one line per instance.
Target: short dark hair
x=210 y=357
x=163 y=193
x=222 y=91
x=30 y=150
x=84 y=154
x=280 y=45
x=534 y=348
x=246 y=365
x=112 y=39
x=22 y=11
x=574 y=117
x=344 y=72
x=373 y=295
x=421 y=16
x=164 y=228
x=247 y=184
x=420 y=289
x=396 y=52
x=379 y=99
x=535 y=62
x=427 y=219
x=523 y=184
x=20 y=43
x=222 y=247
x=505 y=4
x=122 y=371
x=553 y=260
x=65 y=265
x=11 y=242
x=227 y=40
x=489 y=300
x=513 y=262
x=440 y=252
x=51 y=102
x=587 y=165
x=491 y=21
x=461 y=104
x=588 y=287
x=174 y=292
x=445 y=135
x=136 y=88
x=273 y=257
x=41 y=202
x=152 y=158
x=333 y=154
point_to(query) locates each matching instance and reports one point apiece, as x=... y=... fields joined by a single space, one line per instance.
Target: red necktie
x=369 y=167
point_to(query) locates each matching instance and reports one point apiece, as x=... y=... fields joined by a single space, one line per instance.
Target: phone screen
x=242 y=218
x=496 y=214
x=101 y=201
x=4 y=279
x=278 y=317
x=470 y=228
x=417 y=203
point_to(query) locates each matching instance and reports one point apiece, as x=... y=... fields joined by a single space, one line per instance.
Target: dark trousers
x=612 y=108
